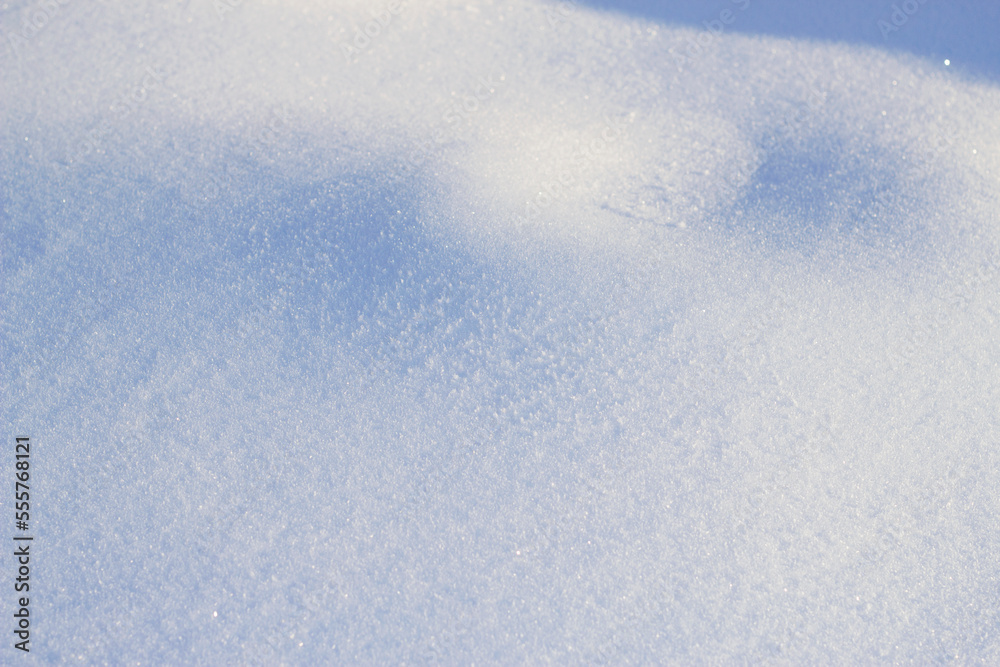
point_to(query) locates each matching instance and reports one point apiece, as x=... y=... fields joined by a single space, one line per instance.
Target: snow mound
x=498 y=332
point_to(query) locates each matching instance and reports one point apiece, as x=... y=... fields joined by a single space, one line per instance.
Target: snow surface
x=651 y=352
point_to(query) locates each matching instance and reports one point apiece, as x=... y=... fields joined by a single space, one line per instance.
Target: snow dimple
x=590 y=176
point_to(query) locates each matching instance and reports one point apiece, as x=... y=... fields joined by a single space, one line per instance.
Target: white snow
x=520 y=332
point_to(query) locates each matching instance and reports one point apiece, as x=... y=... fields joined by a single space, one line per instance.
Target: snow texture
x=508 y=332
